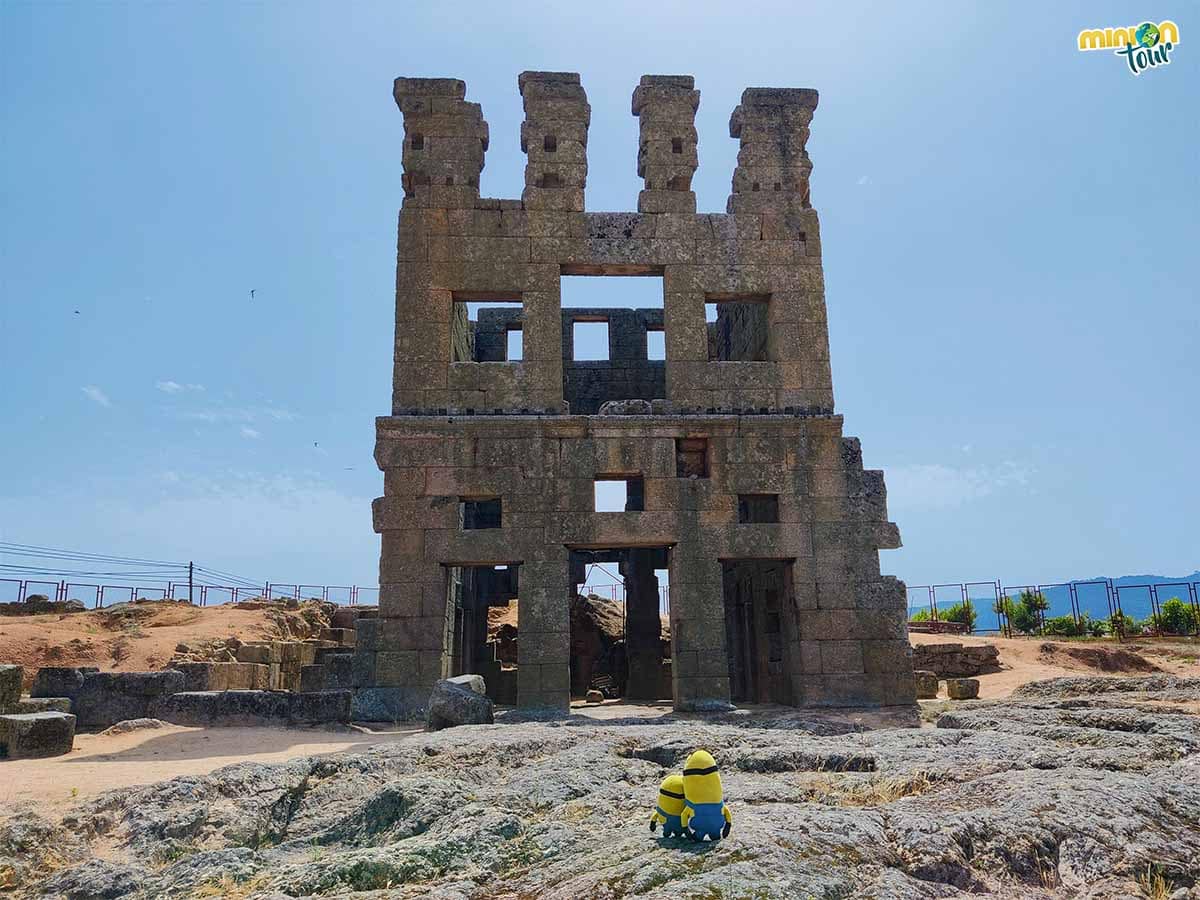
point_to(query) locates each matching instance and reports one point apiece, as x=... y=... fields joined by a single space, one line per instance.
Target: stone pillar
x=554 y=137
x=773 y=165
x=544 y=626
x=643 y=627
x=445 y=138
x=666 y=109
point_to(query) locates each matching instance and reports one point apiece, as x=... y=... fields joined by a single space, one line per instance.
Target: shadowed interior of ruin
x=755 y=591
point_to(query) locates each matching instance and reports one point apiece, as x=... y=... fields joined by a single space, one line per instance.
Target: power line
x=59 y=553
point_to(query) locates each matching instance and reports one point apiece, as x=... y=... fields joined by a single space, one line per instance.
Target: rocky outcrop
x=1071 y=790
x=951 y=660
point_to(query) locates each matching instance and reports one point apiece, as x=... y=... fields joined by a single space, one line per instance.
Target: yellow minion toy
x=670 y=806
x=705 y=814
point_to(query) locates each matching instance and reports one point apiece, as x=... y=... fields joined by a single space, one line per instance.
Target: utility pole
x=191 y=569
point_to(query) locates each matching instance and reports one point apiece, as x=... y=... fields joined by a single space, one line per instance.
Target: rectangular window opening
x=758 y=509
x=515 y=345
x=624 y=358
x=478 y=513
x=656 y=345
x=691 y=457
x=738 y=328
x=619 y=493
x=482 y=327
x=590 y=340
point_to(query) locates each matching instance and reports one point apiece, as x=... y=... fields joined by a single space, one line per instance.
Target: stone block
x=389 y=704
x=36 y=734
x=41 y=704
x=312 y=678
x=60 y=681
x=962 y=688
x=110 y=697
x=10 y=686
x=927 y=684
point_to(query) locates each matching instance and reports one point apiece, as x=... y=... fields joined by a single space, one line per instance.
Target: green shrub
x=921 y=615
x=961 y=612
x=1176 y=617
x=1062 y=626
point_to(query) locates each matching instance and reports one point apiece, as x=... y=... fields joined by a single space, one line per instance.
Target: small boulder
x=474 y=682
x=927 y=684
x=962 y=688
x=453 y=703
x=595 y=696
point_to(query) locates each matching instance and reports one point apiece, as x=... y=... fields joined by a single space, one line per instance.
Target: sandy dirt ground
x=1025 y=659
x=101 y=762
x=137 y=640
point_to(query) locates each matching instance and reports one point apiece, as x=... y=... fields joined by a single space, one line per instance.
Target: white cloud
x=94 y=393
x=248 y=432
x=936 y=486
x=174 y=387
x=864 y=180
x=238 y=414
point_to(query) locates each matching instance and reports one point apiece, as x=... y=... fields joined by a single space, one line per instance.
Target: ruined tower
x=738 y=479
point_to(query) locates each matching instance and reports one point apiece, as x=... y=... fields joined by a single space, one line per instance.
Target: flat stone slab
x=254 y=707
x=42 y=704
x=37 y=734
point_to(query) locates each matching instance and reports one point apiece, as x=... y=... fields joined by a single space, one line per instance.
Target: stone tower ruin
x=738 y=479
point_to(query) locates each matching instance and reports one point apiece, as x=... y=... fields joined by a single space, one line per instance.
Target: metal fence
x=97 y=595
x=1063 y=598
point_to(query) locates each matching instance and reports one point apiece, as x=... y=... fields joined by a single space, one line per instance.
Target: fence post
x=191 y=572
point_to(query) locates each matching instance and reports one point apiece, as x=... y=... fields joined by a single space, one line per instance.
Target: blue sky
x=1010 y=231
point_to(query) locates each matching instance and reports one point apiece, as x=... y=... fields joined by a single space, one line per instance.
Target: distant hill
x=1090 y=593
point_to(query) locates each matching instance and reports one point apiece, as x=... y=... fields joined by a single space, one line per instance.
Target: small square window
x=676 y=145
x=479 y=513
x=617 y=493
x=691 y=457
x=550 y=144
x=418 y=141
x=590 y=340
x=756 y=509
x=515 y=349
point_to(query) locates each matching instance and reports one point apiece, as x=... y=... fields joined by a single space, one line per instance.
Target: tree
x=1028 y=612
x=921 y=615
x=1176 y=617
x=961 y=612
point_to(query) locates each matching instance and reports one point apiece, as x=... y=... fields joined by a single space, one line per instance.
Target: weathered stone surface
x=559 y=811
x=962 y=688
x=60 y=681
x=105 y=698
x=471 y=682
x=927 y=684
x=37 y=734
x=254 y=707
x=41 y=704
x=455 y=703
x=389 y=704
x=10 y=686
x=951 y=660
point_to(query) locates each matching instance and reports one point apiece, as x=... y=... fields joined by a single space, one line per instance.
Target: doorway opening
x=757 y=612
x=620 y=635
x=485 y=626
